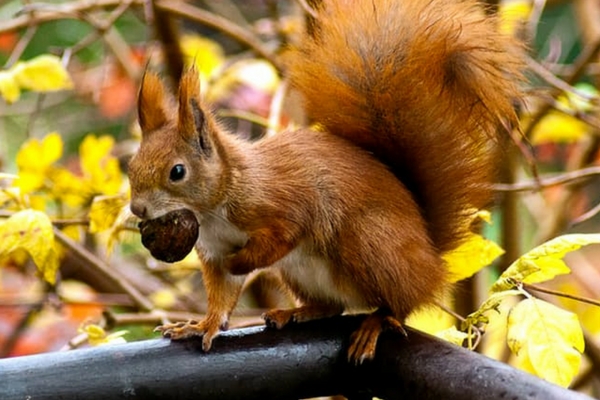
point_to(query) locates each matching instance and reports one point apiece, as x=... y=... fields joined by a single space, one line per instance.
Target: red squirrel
x=357 y=213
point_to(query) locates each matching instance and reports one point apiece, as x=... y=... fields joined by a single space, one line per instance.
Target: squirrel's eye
x=177 y=173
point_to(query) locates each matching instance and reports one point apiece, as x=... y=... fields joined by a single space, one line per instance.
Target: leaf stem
x=478 y=331
x=536 y=288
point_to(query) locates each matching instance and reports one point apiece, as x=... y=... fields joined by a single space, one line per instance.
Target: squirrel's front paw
x=183 y=330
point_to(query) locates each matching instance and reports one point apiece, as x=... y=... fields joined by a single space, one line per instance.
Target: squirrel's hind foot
x=364 y=340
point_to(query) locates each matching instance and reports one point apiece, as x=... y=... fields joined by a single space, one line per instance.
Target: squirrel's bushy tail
x=424 y=85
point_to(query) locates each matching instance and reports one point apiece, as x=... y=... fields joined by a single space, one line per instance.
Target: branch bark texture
x=307 y=360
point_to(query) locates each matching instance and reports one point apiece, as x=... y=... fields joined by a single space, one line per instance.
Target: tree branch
x=306 y=360
x=225 y=26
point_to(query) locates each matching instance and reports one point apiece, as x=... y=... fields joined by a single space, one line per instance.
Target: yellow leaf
x=548 y=338
x=67 y=187
x=484 y=215
x=105 y=210
x=513 y=14
x=34 y=160
x=257 y=74
x=32 y=231
x=491 y=304
x=590 y=318
x=10 y=196
x=557 y=127
x=453 y=335
x=523 y=361
x=205 y=54
x=471 y=256
x=42 y=74
x=163 y=298
x=9 y=88
x=430 y=320
x=543 y=262
x=100 y=168
x=97 y=336
x=121 y=224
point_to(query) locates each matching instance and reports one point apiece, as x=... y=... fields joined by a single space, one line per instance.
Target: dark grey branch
x=306 y=360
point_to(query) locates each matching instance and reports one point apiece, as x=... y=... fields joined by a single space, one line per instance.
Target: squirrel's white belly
x=311 y=274
x=302 y=268
x=217 y=237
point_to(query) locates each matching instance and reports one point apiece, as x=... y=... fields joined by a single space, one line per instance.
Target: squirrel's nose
x=139 y=209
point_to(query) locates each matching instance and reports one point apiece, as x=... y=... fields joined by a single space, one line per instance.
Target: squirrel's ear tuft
x=152 y=103
x=191 y=122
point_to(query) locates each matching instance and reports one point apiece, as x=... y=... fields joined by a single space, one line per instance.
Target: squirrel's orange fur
x=356 y=216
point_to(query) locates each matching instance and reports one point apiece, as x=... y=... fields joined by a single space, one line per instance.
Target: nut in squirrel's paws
x=185 y=330
x=172 y=236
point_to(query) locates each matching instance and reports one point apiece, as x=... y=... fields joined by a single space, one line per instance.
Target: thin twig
x=105 y=30
x=588 y=55
x=101 y=300
x=552 y=79
x=223 y=25
x=92 y=260
x=35 y=114
x=75 y=342
x=118 y=319
x=570 y=178
x=307 y=9
x=47 y=13
x=478 y=331
x=21 y=46
x=528 y=286
x=243 y=115
x=586 y=216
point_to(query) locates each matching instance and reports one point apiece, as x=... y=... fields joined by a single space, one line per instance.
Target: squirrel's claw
x=363 y=341
x=185 y=330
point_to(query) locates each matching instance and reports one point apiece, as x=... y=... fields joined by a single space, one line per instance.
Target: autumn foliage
x=72 y=268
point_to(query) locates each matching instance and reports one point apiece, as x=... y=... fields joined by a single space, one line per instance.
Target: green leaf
x=31 y=230
x=548 y=340
x=543 y=262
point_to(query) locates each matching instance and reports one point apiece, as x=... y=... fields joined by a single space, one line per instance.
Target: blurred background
x=69 y=75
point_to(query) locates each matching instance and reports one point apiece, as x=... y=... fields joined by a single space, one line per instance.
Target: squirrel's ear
x=152 y=109
x=191 y=124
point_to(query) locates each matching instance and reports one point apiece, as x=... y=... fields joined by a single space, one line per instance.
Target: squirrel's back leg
x=364 y=340
x=395 y=270
x=308 y=277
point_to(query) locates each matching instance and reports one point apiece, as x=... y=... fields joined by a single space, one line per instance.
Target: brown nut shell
x=172 y=236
